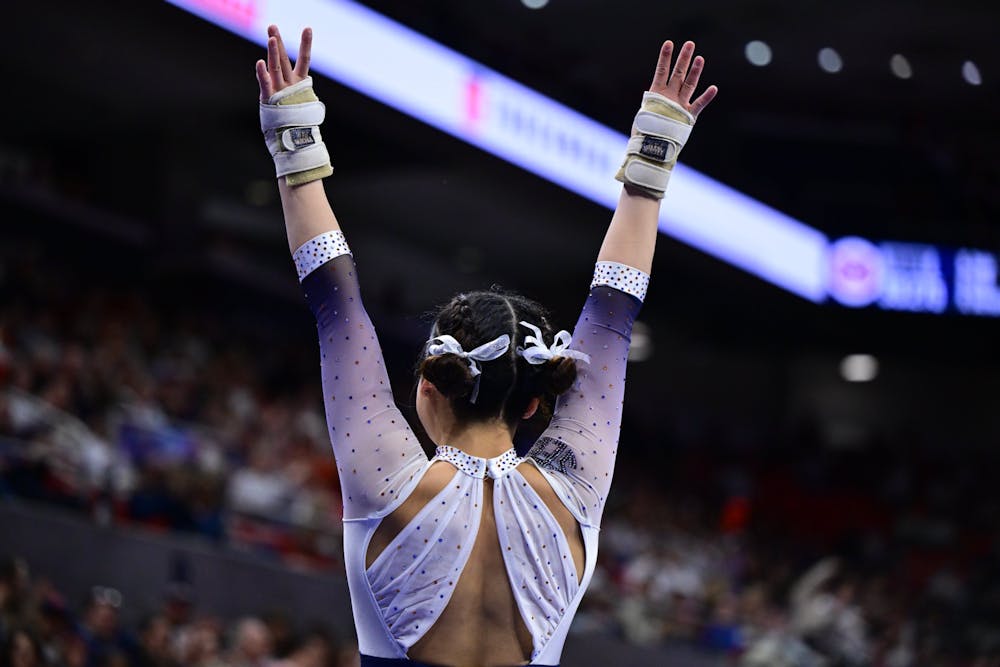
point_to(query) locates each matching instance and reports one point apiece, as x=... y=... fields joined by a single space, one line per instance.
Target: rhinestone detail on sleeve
x=319 y=250
x=622 y=277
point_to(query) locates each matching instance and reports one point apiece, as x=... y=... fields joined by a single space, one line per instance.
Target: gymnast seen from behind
x=475 y=557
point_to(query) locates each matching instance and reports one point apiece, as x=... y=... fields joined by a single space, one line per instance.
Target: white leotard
x=380 y=462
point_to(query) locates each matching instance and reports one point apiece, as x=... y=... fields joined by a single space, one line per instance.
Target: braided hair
x=508 y=383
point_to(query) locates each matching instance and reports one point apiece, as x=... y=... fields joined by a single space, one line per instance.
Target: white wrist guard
x=660 y=130
x=290 y=121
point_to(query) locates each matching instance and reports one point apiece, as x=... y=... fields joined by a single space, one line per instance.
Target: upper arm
x=580 y=444
x=377 y=454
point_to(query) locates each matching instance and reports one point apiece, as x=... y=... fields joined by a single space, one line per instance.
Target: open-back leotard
x=380 y=462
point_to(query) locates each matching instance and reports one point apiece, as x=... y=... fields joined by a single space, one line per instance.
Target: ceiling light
x=758 y=53
x=534 y=4
x=900 y=66
x=829 y=60
x=971 y=73
x=859 y=368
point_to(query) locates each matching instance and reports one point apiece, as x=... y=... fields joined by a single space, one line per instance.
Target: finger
x=662 y=72
x=274 y=63
x=699 y=104
x=305 y=53
x=691 y=80
x=286 y=64
x=264 y=79
x=681 y=66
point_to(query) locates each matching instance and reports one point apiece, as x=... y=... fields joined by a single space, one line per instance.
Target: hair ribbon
x=446 y=344
x=538 y=352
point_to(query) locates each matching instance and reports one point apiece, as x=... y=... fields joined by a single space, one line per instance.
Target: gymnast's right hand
x=664 y=122
x=678 y=85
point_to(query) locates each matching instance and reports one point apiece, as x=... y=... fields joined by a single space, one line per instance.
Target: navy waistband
x=370 y=661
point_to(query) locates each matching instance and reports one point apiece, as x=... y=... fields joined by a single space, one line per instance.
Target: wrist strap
x=659 y=132
x=290 y=121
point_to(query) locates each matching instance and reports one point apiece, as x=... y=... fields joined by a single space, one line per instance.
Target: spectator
x=13 y=593
x=53 y=623
x=200 y=644
x=827 y=614
x=261 y=488
x=105 y=641
x=154 y=648
x=21 y=649
x=316 y=650
x=778 y=646
x=252 y=644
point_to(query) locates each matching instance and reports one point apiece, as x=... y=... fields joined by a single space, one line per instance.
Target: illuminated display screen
x=914 y=277
x=363 y=50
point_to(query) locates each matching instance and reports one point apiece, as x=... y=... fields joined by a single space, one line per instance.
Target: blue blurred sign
x=913 y=277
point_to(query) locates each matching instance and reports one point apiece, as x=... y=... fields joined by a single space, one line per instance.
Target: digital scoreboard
x=914 y=277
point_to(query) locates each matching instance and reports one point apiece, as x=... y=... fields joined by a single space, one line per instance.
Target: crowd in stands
x=134 y=414
x=792 y=555
x=40 y=628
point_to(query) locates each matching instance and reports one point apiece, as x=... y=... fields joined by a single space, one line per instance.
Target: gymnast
x=475 y=557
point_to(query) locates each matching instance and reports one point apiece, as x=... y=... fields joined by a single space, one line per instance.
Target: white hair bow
x=486 y=352
x=539 y=352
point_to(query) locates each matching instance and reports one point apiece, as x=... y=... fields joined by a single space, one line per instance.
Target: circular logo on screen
x=856 y=270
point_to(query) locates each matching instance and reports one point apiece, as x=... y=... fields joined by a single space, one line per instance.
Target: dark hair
x=507 y=384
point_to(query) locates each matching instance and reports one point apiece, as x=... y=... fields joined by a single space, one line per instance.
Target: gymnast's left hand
x=277 y=73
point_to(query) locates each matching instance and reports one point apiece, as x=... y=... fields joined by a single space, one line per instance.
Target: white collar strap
x=474 y=466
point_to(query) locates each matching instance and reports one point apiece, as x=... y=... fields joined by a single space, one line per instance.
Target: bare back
x=481 y=624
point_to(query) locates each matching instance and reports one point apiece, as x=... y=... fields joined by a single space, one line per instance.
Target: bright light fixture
x=758 y=53
x=970 y=72
x=900 y=66
x=859 y=368
x=829 y=60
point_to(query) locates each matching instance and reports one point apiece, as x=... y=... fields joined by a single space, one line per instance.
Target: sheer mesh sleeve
x=578 y=448
x=377 y=454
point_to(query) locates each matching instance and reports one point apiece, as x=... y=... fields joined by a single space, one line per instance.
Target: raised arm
x=631 y=236
x=579 y=447
x=306 y=208
x=377 y=454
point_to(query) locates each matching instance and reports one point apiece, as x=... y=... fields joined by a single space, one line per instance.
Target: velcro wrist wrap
x=290 y=121
x=660 y=130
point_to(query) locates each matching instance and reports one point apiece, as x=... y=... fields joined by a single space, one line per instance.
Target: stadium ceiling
x=859 y=152
x=467 y=99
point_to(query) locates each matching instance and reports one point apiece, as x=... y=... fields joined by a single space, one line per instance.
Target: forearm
x=631 y=236
x=307 y=212
x=659 y=132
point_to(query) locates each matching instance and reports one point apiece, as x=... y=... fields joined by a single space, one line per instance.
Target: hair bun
x=450 y=374
x=558 y=375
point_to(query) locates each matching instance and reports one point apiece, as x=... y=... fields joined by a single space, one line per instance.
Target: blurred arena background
x=799 y=482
